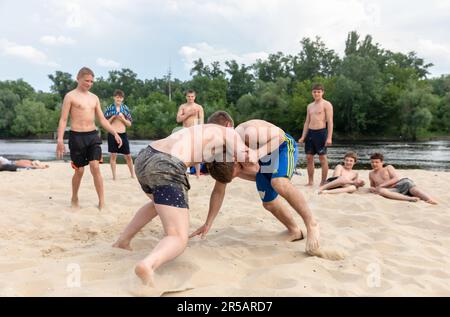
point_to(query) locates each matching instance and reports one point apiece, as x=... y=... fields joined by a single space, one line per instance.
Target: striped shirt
x=112 y=111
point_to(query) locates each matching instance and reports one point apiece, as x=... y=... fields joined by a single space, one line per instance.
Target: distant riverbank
x=430 y=155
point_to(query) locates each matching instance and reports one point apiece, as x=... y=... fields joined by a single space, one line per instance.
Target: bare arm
x=180 y=115
x=124 y=120
x=183 y=114
x=105 y=123
x=330 y=123
x=237 y=148
x=276 y=138
x=305 y=127
x=372 y=181
x=65 y=110
x=248 y=171
x=202 y=116
x=337 y=171
x=110 y=120
x=215 y=203
x=393 y=177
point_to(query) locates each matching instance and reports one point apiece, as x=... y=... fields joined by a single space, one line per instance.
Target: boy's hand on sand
x=203 y=230
x=118 y=140
x=60 y=150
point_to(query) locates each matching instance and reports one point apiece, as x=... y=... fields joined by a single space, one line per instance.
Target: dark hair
x=119 y=93
x=190 y=91
x=318 y=87
x=221 y=118
x=377 y=156
x=351 y=154
x=85 y=71
x=221 y=171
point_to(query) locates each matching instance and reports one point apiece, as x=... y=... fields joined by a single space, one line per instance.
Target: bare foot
x=145 y=273
x=74 y=203
x=309 y=185
x=132 y=176
x=101 y=205
x=431 y=201
x=122 y=244
x=312 y=238
x=295 y=235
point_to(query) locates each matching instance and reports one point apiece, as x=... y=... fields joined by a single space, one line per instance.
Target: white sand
x=46 y=249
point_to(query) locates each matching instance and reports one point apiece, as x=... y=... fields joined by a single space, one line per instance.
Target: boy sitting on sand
x=386 y=182
x=345 y=179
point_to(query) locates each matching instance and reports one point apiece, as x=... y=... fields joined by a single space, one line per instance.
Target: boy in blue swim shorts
x=277 y=153
x=317 y=133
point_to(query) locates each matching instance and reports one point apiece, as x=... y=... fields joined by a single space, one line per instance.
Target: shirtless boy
x=386 y=182
x=344 y=179
x=190 y=114
x=84 y=141
x=161 y=172
x=317 y=133
x=277 y=152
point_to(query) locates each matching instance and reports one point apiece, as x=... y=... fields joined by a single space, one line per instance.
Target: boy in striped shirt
x=119 y=116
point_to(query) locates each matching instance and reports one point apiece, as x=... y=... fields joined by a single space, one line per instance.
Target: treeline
x=375 y=93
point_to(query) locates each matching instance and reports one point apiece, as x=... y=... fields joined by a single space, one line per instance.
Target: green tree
x=32 y=118
x=124 y=79
x=241 y=81
x=62 y=83
x=315 y=59
x=276 y=66
x=8 y=102
x=415 y=104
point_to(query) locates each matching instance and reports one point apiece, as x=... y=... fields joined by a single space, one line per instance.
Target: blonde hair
x=85 y=71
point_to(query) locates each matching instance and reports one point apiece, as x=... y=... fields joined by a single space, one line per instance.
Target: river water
x=433 y=155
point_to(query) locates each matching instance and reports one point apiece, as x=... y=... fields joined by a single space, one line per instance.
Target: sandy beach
x=47 y=249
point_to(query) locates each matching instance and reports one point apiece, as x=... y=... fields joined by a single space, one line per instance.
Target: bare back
x=260 y=133
x=200 y=143
x=317 y=112
x=82 y=110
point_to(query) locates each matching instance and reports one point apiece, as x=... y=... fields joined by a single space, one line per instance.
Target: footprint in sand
x=329 y=254
x=53 y=250
x=173 y=278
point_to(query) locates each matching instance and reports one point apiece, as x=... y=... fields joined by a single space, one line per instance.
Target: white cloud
x=25 y=52
x=108 y=63
x=211 y=54
x=438 y=54
x=429 y=47
x=57 y=40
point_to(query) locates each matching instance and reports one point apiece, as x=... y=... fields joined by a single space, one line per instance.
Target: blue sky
x=39 y=37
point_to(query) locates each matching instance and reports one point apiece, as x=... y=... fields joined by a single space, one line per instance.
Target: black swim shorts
x=113 y=147
x=316 y=141
x=84 y=147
